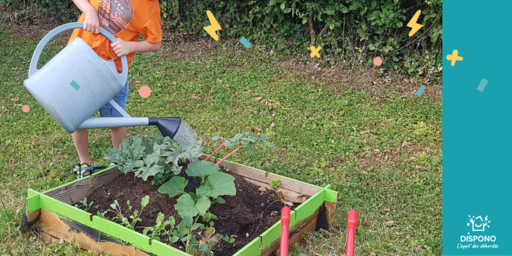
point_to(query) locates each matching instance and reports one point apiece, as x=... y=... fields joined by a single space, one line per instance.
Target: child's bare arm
x=91 y=22
x=122 y=47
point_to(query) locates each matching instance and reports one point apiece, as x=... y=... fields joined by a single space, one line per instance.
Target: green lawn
x=381 y=151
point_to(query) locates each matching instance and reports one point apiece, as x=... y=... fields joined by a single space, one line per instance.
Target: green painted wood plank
x=66 y=210
x=293 y=219
x=251 y=249
x=33 y=203
x=113 y=229
x=309 y=207
x=330 y=196
x=58 y=207
x=31 y=192
x=160 y=248
x=270 y=235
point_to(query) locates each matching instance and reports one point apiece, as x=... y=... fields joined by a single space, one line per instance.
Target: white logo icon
x=479 y=224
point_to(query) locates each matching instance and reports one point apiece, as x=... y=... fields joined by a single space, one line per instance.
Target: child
x=125 y=19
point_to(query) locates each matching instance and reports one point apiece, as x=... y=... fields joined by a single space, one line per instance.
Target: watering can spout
x=168 y=126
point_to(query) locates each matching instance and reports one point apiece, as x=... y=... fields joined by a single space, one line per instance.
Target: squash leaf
x=175 y=186
x=201 y=168
x=220 y=184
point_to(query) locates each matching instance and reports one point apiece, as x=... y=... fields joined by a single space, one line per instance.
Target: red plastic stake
x=351 y=234
x=285 y=225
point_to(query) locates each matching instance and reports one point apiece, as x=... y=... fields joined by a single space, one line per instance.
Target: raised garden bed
x=60 y=220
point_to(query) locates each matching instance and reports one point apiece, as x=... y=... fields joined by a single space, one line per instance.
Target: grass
x=381 y=151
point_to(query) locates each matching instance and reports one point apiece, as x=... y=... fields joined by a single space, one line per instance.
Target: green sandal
x=84 y=170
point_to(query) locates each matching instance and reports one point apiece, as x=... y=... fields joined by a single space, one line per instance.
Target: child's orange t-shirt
x=125 y=19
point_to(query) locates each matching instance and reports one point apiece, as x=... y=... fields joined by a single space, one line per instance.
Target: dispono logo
x=480 y=238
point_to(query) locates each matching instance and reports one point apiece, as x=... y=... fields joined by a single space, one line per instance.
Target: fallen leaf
x=387 y=210
x=363 y=132
x=272 y=126
x=258 y=98
x=406 y=238
x=389 y=223
x=195 y=96
x=27 y=97
x=15 y=98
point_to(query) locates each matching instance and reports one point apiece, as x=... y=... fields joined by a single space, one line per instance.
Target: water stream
x=185 y=136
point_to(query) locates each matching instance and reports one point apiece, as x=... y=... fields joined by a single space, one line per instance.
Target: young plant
x=229 y=239
x=159 y=229
x=125 y=221
x=84 y=204
x=183 y=233
x=275 y=184
x=191 y=206
x=102 y=214
x=152 y=157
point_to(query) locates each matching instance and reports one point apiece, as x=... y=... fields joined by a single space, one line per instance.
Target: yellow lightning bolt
x=413 y=23
x=213 y=27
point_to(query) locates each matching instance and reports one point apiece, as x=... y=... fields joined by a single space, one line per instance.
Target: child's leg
x=118 y=134
x=81 y=141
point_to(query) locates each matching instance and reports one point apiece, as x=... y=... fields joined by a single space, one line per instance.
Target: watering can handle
x=40 y=47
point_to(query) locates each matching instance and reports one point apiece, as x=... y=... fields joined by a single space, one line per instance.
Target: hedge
x=350 y=31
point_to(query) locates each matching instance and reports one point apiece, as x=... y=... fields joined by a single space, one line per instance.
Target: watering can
x=77 y=82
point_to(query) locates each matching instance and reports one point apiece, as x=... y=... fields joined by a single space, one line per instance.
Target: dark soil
x=239 y=216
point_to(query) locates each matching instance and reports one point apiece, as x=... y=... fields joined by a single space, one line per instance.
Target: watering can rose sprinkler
x=77 y=82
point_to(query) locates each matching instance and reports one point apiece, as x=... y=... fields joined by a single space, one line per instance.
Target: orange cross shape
x=454 y=57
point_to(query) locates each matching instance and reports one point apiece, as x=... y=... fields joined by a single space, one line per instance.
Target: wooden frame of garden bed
x=60 y=221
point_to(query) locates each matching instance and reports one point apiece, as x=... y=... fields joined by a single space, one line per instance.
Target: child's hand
x=121 y=47
x=91 y=22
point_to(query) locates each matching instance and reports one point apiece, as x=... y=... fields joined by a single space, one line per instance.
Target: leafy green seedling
x=275 y=184
x=159 y=229
x=102 y=214
x=84 y=204
x=135 y=217
x=183 y=233
x=229 y=239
